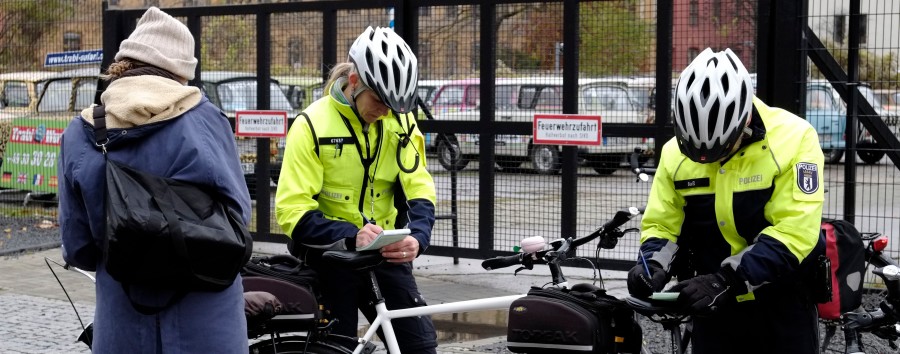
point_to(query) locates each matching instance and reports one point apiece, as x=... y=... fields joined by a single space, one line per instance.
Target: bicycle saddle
x=353 y=260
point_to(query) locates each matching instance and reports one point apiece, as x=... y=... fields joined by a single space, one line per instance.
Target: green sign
x=31 y=153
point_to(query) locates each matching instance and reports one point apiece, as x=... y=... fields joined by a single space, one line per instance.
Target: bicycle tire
x=296 y=345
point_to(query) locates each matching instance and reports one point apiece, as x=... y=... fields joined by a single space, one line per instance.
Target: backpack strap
x=312 y=130
x=100 y=138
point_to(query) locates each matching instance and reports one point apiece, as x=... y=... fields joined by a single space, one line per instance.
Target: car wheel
x=869 y=152
x=450 y=155
x=833 y=155
x=604 y=165
x=545 y=159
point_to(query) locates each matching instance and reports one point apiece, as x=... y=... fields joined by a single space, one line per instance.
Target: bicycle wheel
x=296 y=345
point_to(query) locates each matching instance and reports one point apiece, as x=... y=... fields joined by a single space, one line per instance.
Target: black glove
x=704 y=294
x=642 y=285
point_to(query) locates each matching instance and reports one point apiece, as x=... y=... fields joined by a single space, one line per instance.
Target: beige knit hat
x=161 y=40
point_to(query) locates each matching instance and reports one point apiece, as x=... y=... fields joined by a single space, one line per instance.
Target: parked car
x=37 y=108
x=235 y=91
x=832 y=131
x=22 y=89
x=300 y=90
x=518 y=100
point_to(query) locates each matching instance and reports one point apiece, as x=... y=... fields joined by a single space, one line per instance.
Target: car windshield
x=241 y=95
x=818 y=99
x=607 y=98
x=15 y=94
x=56 y=96
x=867 y=92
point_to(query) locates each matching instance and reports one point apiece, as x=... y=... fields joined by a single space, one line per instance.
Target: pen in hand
x=646 y=269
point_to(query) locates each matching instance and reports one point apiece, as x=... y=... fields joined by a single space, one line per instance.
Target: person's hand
x=367 y=234
x=641 y=285
x=705 y=294
x=401 y=251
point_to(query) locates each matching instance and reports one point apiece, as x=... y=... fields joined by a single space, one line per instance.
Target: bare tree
x=23 y=24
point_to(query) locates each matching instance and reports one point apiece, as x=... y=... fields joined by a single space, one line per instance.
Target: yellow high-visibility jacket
x=758 y=212
x=335 y=177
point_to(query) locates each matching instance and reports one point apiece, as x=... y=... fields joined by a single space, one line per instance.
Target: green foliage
x=23 y=24
x=518 y=60
x=880 y=71
x=228 y=43
x=614 y=39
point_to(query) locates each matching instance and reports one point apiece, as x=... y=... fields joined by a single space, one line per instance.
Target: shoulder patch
x=807 y=177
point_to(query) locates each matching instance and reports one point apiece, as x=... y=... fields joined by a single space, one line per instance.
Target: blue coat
x=196 y=146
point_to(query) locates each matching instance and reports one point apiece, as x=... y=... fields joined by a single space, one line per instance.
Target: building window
x=863 y=21
x=149 y=3
x=692 y=53
x=424 y=56
x=476 y=56
x=113 y=2
x=294 y=53
x=694 y=13
x=838 y=32
x=452 y=12
x=425 y=11
x=71 y=41
x=717 y=10
x=451 y=58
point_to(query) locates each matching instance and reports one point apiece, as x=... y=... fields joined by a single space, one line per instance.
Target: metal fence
x=488 y=68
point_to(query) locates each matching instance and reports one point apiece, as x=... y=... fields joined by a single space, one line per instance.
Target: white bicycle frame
x=384 y=316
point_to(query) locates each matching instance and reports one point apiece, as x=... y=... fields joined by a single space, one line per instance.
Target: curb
x=35 y=248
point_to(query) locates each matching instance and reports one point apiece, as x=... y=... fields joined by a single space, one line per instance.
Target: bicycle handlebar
x=642 y=173
x=562 y=248
x=884 y=321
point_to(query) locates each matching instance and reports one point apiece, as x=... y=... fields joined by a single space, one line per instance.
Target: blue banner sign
x=74 y=58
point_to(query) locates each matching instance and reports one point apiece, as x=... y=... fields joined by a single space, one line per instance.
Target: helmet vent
x=695 y=117
x=743 y=97
x=724 y=83
x=733 y=64
x=383 y=71
x=369 y=60
x=400 y=55
x=396 y=69
x=690 y=80
x=712 y=121
x=704 y=91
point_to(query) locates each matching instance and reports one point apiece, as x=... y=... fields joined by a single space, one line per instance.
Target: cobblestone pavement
x=36 y=317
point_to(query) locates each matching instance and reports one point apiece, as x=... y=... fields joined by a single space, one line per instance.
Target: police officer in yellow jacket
x=354 y=164
x=737 y=201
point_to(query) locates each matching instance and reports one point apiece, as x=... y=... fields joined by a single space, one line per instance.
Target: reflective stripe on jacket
x=325 y=190
x=759 y=212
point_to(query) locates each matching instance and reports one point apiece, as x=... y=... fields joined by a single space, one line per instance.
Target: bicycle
x=314 y=342
x=882 y=319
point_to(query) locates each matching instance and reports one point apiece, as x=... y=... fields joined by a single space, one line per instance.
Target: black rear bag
x=582 y=320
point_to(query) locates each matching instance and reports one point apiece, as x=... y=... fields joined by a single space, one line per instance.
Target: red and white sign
x=567 y=129
x=261 y=124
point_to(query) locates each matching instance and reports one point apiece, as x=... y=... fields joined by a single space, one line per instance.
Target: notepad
x=385 y=238
x=666 y=296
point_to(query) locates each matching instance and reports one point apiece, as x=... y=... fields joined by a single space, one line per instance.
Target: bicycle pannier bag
x=846 y=252
x=289 y=269
x=570 y=321
x=166 y=234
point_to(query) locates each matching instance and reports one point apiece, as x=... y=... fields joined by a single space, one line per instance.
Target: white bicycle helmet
x=386 y=64
x=713 y=102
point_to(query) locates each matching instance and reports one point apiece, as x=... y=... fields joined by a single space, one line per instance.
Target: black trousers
x=345 y=291
x=780 y=320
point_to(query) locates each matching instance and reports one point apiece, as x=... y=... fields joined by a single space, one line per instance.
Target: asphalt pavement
x=36 y=317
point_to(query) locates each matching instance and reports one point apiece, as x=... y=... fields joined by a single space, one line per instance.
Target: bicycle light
x=533 y=244
x=880 y=244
